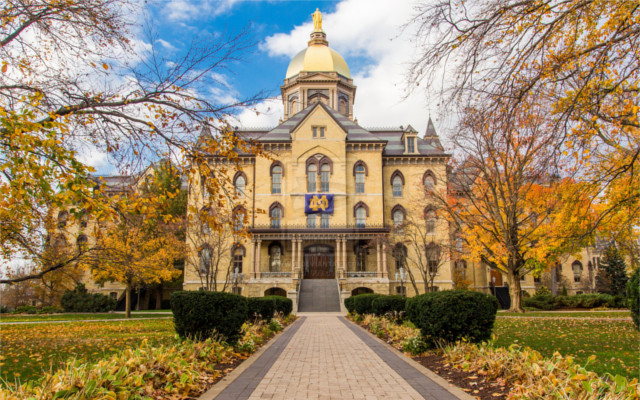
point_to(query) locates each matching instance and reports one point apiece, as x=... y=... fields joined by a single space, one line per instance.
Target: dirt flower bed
x=489 y=372
x=183 y=369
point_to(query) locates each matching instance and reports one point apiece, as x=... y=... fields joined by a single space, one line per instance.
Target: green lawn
x=616 y=344
x=564 y=314
x=74 y=317
x=29 y=349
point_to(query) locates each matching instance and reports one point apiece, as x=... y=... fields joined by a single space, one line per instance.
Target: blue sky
x=366 y=32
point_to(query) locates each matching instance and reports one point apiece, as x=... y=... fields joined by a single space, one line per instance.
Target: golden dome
x=318 y=57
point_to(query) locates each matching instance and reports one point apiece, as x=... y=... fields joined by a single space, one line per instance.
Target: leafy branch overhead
x=74 y=83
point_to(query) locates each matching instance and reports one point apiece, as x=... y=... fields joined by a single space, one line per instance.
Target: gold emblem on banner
x=319 y=203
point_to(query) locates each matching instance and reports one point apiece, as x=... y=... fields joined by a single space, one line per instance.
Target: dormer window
x=411 y=144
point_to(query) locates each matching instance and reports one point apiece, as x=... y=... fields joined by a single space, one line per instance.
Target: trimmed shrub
x=200 y=315
x=49 y=310
x=362 y=303
x=79 y=300
x=349 y=304
x=25 y=310
x=388 y=304
x=542 y=302
x=282 y=304
x=261 y=308
x=633 y=297
x=451 y=315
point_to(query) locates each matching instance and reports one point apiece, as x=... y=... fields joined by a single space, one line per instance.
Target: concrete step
x=319 y=295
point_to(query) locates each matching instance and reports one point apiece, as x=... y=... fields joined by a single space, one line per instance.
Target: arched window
x=60 y=243
x=276 y=178
x=429 y=181
x=238 y=255
x=342 y=107
x=276 y=214
x=361 y=215
x=312 y=172
x=400 y=255
x=205 y=259
x=398 y=213
x=325 y=175
x=360 y=212
x=204 y=221
x=396 y=183
x=577 y=270
x=361 y=250
x=82 y=243
x=63 y=216
x=240 y=184
x=431 y=218
x=360 y=170
x=238 y=218
x=433 y=253
x=275 y=257
x=293 y=105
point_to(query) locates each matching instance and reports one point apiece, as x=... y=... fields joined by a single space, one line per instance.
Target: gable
x=320 y=119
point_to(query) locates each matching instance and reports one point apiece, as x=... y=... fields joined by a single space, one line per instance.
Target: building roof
x=429 y=145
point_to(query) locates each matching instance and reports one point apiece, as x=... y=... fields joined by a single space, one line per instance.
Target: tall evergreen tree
x=615 y=271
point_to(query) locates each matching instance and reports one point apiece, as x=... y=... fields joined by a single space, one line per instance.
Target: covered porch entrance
x=319 y=262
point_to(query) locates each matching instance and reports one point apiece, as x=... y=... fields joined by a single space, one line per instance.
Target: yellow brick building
x=332 y=191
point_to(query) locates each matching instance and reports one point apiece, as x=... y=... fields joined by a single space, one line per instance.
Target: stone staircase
x=319 y=295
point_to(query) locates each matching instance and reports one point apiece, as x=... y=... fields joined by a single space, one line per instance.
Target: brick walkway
x=327 y=357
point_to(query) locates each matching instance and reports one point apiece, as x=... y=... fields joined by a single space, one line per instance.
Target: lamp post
x=401 y=276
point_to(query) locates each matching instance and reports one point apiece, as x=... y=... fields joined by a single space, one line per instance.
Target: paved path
x=328 y=357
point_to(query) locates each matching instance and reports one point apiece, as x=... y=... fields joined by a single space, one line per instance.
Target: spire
x=431 y=130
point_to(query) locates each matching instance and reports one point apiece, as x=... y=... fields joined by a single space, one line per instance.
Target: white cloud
x=370 y=29
x=168 y=46
x=265 y=114
x=185 y=10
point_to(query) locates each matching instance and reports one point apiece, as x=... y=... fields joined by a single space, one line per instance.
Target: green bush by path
x=200 y=315
x=79 y=300
x=452 y=315
x=633 y=297
x=260 y=308
x=349 y=304
x=362 y=303
x=388 y=304
x=282 y=304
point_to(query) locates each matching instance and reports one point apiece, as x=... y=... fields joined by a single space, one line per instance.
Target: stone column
x=255 y=259
x=344 y=254
x=338 y=266
x=293 y=257
x=258 y=248
x=378 y=259
x=300 y=256
x=385 y=273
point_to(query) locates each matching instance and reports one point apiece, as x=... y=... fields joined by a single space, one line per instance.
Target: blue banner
x=318 y=203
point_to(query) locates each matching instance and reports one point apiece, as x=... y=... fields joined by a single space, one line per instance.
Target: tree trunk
x=159 y=297
x=515 y=292
x=128 y=301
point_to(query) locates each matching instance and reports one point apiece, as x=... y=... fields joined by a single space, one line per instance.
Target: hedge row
x=633 y=296
x=549 y=302
x=80 y=300
x=200 y=315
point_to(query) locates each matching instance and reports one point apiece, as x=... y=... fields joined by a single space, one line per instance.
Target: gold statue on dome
x=317 y=20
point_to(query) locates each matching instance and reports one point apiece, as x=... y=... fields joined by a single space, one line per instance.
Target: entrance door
x=319 y=262
x=496 y=277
